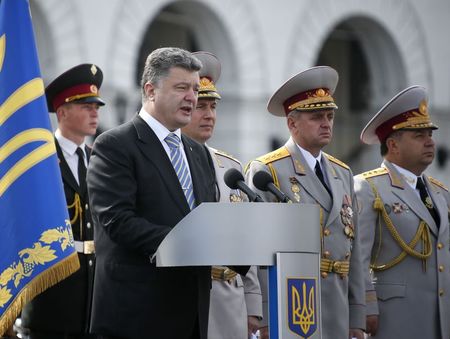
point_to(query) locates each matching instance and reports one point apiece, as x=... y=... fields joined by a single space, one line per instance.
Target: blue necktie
x=176 y=157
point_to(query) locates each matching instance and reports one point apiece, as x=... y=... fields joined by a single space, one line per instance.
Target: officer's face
x=78 y=120
x=312 y=130
x=174 y=98
x=203 y=120
x=412 y=149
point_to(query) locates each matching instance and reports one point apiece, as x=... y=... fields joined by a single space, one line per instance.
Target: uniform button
x=441 y=292
x=326 y=232
x=441 y=268
x=326 y=254
x=88 y=225
x=86 y=207
x=91 y=262
x=324 y=274
x=440 y=246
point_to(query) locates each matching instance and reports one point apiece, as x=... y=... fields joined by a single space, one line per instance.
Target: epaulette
x=336 y=161
x=226 y=155
x=374 y=173
x=437 y=183
x=278 y=154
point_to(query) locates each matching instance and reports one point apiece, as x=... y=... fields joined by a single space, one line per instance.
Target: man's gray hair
x=161 y=60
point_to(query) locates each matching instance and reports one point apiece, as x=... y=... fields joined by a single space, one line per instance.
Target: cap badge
x=320 y=92
x=423 y=107
x=93 y=70
x=94 y=89
x=416 y=118
x=207 y=85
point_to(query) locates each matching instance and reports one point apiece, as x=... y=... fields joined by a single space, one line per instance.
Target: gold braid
x=274 y=175
x=78 y=212
x=423 y=233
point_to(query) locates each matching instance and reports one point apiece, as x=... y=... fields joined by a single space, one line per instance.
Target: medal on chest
x=347 y=217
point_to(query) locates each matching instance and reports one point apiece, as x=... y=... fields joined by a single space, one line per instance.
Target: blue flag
x=36 y=242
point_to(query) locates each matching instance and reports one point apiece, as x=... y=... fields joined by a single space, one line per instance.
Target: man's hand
x=372 y=324
x=253 y=325
x=356 y=333
x=264 y=332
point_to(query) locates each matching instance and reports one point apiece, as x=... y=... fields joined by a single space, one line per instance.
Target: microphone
x=235 y=180
x=264 y=182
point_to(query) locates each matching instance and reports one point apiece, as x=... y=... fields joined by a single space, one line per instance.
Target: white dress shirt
x=312 y=160
x=162 y=132
x=69 y=148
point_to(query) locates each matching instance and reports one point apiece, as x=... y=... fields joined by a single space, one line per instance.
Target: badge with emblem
x=398 y=207
x=429 y=202
x=295 y=188
x=347 y=217
x=301 y=301
x=299 y=167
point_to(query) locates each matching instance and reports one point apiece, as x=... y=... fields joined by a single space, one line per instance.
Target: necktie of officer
x=180 y=167
x=426 y=199
x=81 y=169
x=319 y=174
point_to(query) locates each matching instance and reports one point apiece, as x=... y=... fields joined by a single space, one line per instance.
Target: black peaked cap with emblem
x=78 y=84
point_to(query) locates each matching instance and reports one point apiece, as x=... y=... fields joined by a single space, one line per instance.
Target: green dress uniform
x=233 y=297
x=342 y=283
x=408 y=253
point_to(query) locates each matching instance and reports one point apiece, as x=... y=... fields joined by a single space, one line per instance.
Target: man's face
x=78 y=120
x=413 y=149
x=312 y=130
x=174 y=98
x=203 y=120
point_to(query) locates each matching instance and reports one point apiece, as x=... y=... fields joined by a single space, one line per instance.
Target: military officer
x=63 y=311
x=404 y=225
x=308 y=175
x=235 y=304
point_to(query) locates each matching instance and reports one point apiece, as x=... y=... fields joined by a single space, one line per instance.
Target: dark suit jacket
x=66 y=306
x=136 y=199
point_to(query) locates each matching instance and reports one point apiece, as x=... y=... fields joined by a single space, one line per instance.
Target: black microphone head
x=232 y=177
x=261 y=179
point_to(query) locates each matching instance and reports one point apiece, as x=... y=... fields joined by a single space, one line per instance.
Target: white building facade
x=379 y=47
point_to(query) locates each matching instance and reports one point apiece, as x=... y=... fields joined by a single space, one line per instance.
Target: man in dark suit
x=144 y=177
x=63 y=311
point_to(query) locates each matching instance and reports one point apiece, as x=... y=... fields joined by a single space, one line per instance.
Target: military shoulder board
x=437 y=183
x=374 y=173
x=336 y=161
x=278 y=154
x=224 y=154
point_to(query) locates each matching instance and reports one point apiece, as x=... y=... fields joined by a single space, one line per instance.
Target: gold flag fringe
x=39 y=284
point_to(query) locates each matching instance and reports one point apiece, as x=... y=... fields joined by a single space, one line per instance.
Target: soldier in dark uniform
x=63 y=311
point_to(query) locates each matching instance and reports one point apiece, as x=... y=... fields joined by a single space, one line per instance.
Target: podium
x=283 y=237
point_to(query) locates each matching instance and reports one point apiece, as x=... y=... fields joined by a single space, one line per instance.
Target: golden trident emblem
x=303 y=313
